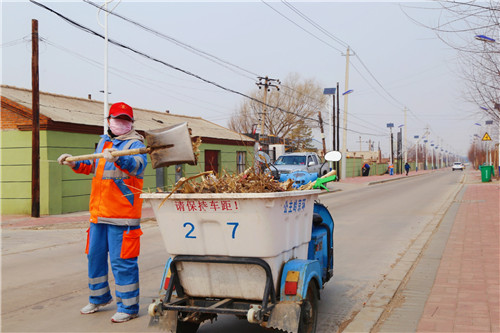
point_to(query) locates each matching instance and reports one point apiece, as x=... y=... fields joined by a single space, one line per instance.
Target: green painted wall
x=61 y=189
x=15 y=172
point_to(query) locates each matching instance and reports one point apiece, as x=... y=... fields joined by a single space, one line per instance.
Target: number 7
x=235 y=224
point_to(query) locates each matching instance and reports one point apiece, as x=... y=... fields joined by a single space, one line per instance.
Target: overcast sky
x=397 y=63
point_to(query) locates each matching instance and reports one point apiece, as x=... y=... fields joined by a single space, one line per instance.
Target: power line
x=86 y=29
x=145 y=80
x=188 y=47
x=208 y=56
x=341 y=42
x=320 y=28
x=300 y=27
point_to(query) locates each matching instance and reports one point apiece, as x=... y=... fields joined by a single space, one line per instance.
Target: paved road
x=44 y=271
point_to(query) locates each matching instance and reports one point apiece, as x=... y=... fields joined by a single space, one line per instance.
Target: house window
x=240 y=161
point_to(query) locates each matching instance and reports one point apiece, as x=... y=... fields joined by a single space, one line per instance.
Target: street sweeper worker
x=115 y=214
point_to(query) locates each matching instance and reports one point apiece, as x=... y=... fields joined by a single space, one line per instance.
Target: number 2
x=188 y=234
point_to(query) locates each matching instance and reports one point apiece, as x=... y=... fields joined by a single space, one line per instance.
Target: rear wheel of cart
x=309 y=310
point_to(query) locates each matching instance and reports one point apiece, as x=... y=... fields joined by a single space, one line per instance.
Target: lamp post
x=105 y=91
x=488 y=157
x=432 y=157
x=487 y=39
x=331 y=91
x=426 y=149
x=400 y=149
x=477 y=138
x=106 y=104
x=480 y=144
x=416 y=153
x=344 y=133
x=390 y=126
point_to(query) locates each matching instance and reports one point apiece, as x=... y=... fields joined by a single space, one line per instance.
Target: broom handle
x=114 y=153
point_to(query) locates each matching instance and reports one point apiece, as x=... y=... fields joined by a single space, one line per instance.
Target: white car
x=458 y=166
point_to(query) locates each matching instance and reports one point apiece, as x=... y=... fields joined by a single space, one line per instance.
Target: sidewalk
x=26 y=221
x=466 y=291
x=451 y=280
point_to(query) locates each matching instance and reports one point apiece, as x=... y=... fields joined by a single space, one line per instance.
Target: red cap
x=119 y=109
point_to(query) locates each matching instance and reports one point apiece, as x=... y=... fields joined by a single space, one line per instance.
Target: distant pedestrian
x=391 y=168
x=407 y=168
x=365 y=170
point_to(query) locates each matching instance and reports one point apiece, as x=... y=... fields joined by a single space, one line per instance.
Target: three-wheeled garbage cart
x=263 y=257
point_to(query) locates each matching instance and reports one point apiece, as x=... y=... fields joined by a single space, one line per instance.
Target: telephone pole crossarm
x=267 y=83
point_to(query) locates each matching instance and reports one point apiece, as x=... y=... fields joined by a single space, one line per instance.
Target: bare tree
x=291 y=112
x=471 y=27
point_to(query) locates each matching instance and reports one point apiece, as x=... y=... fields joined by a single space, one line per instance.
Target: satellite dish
x=333 y=156
x=262 y=157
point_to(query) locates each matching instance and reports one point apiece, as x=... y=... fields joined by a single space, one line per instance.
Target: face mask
x=119 y=126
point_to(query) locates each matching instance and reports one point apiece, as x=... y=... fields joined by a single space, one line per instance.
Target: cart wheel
x=187 y=327
x=309 y=310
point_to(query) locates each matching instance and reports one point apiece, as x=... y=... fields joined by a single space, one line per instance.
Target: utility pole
x=405 y=143
x=346 y=93
x=360 y=143
x=322 y=132
x=267 y=83
x=106 y=104
x=338 y=132
x=416 y=152
x=425 y=154
x=425 y=137
x=35 y=127
x=432 y=156
x=331 y=91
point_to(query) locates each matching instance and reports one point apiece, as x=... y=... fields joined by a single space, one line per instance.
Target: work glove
x=107 y=155
x=62 y=160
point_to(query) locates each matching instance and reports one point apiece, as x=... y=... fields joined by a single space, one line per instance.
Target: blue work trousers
x=104 y=239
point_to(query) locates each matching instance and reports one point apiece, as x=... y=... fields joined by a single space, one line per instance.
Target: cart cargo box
x=275 y=227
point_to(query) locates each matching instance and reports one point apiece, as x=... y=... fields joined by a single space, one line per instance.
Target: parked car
x=458 y=166
x=304 y=161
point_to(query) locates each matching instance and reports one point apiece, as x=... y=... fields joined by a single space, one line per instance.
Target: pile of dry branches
x=247 y=182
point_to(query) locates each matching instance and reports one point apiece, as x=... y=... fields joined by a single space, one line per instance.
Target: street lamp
x=487 y=39
x=484 y=38
x=344 y=133
x=331 y=91
x=390 y=126
x=416 y=153
x=432 y=156
x=488 y=157
x=426 y=149
x=399 y=153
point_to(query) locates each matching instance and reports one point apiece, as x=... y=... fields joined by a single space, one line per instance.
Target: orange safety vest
x=116 y=187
